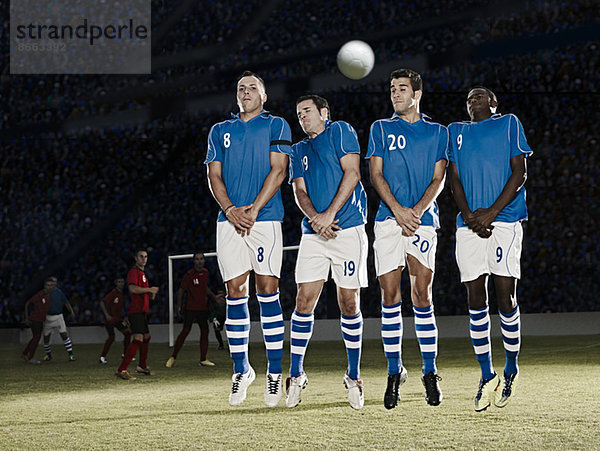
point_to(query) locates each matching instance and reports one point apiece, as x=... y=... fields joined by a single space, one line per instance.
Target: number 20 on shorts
x=424 y=246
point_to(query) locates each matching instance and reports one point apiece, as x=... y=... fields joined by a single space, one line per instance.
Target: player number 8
x=227 y=140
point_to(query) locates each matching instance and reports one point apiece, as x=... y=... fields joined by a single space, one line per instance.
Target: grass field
x=81 y=405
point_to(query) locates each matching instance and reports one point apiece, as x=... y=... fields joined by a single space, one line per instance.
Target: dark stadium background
x=92 y=166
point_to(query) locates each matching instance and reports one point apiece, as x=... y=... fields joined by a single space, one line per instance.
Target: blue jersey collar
x=422 y=115
x=262 y=113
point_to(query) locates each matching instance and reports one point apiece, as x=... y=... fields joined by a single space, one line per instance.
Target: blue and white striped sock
x=302 y=329
x=68 y=345
x=352 y=327
x=427 y=334
x=391 y=335
x=237 y=328
x=480 y=336
x=511 y=336
x=271 y=320
x=48 y=348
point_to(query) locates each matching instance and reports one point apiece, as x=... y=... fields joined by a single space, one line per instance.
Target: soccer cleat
x=103 y=360
x=293 y=389
x=356 y=393
x=504 y=396
x=124 y=375
x=433 y=394
x=47 y=357
x=145 y=371
x=34 y=362
x=72 y=358
x=170 y=362
x=392 y=392
x=240 y=383
x=273 y=390
x=206 y=363
x=486 y=392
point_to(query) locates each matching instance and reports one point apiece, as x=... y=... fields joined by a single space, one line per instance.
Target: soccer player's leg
x=110 y=329
x=390 y=256
x=143 y=368
x=137 y=323
x=234 y=265
x=301 y=331
x=510 y=321
x=421 y=281
x=265 y=252
x=312 y=268
x=202 y=319
x=187 y=326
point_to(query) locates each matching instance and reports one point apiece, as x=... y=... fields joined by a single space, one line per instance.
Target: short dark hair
x=491 y=95
x=416 y=82
x=248 y=73
x=138 y=250
x=198 y=253
x=319 y=102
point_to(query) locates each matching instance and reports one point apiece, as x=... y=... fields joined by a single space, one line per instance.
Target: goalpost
x=170 y=268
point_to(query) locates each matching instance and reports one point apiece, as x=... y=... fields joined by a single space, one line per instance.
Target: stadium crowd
x=59 y=187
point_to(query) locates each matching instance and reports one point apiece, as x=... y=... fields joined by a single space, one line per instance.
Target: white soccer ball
x=355 y=59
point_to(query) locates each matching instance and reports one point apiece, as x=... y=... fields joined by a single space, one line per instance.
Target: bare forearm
x=431 y=193
x=304 y=203
x=383 y=189
x=347 y=185
x=269 y=188
x=136 y=289
x=510 y=190
x=219 y=191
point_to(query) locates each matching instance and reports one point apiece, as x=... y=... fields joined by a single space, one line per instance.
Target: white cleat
x=273 y=390
x=103 y=360
x=356 y=394
x=293 y=389
x=240 y=383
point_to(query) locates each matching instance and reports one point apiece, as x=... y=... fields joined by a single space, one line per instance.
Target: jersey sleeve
x=281 y=136
x=185 y=282
x=375 y=147
x=132 y=278
x=215 y=151
x=295 y=163
x=344 y=139
x=516 y=136
x=443 y=145
x=452 y=136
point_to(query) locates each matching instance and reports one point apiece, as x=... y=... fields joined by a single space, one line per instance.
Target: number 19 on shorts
x=349 y=268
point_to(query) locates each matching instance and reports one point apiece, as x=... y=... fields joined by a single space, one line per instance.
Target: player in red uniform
x=40 y=303
x=140 y=293
x=112 y=307
x=195 y=286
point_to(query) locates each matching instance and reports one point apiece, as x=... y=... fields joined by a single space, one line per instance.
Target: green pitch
x=81 y=405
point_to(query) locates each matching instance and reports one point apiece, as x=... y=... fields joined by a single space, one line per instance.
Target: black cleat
x=433 y=394
x=392 y=392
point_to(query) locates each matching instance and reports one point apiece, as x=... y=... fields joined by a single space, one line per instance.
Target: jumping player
x=407 y=160
x=325 y=174
x=487 y=173
x=247 y=159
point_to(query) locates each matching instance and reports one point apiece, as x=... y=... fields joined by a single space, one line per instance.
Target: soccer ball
x=355 y=59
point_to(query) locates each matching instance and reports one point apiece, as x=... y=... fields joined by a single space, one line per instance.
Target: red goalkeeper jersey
x=194 y=283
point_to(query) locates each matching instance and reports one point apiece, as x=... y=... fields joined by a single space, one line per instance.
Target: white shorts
x=391 y=247
x=499 y=254
x=260 y=251
x=345 y=254
x=54 y=322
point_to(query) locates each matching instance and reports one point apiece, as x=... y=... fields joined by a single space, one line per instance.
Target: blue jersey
x=58 y=300
x=410 y=153
x=482 y=152
x=317 y=161
x=244 y=150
